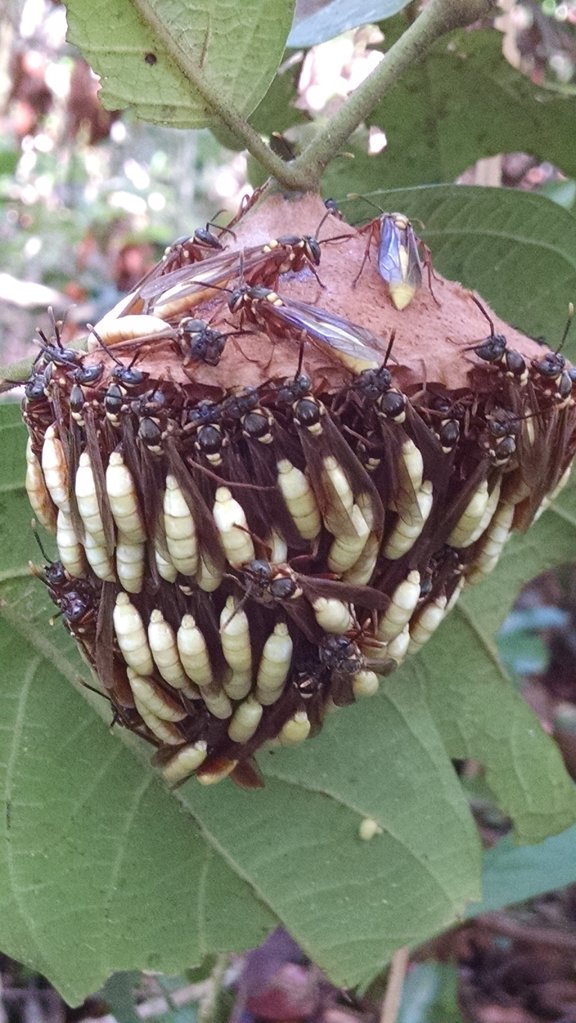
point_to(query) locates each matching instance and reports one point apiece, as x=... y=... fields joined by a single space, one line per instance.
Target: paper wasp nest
x=268 y=484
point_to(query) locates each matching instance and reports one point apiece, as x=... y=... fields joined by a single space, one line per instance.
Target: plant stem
x=304 y=173
x=437 y=18
x=208 y=1006
x=396 y=975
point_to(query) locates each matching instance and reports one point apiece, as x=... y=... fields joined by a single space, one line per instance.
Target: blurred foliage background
x=89 y=199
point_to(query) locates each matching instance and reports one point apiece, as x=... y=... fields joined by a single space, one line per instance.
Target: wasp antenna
x=212 y=223
x=241 y=603
x=328 y=213
x=130 y=364
x=567 y=327
x=483 y=311
x=220 y=227
x=389 y=349
x=56 y=327
x=356 y=195
x=44 y=342
x=300 y=358
x=102 y=343
x=254 y=536
x=34 y=526
x=86 y=685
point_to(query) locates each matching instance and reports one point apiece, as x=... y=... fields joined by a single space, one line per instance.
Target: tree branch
x=437 y=18
x=304 y=173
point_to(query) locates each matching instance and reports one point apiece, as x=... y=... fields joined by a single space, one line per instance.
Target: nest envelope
x=269 y=484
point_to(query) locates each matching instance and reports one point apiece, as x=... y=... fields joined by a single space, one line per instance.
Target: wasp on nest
x=269 y=484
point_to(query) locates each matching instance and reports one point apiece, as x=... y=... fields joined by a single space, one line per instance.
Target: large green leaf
x=465 y=101
x=515 y=874
x=516 y=248
x=165 y=58
x=461 y=103
x=476 y=709
x=103 y=869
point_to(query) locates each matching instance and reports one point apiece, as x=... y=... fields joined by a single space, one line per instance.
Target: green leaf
x=118 y=993
x=105 y=870
x=168 y=59
x=476 y=709
x=523 y=653
x=100 y=870
x=479 y=715
x=339 y=16
x=514 y=874
x=563 y=192
x=350 y=903
x=430 y=994
x=276 y=112
x=516 y=248
x=462 y=103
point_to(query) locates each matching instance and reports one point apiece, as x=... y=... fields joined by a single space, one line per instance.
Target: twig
x=396 y=974
x=437 y=18
x=304 y=173
x=208 y=1007
x=548 y=936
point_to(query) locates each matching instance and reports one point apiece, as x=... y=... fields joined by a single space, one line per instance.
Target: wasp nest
x=270 y=477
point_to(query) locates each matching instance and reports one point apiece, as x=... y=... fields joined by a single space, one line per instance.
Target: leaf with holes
x=173 y=62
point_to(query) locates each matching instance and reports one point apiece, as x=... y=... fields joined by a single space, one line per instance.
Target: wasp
x=182 y=289
x=76 y=599
x=184 y=252
x=199 y=342
x=551 y=369
x=399 y=262
x=343 y=659
x=347 y=499
x=344 y=343
x=316 y=605
x=53 y=350
x=494 y=350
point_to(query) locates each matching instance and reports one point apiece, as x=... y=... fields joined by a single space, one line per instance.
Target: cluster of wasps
x=234 y=562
